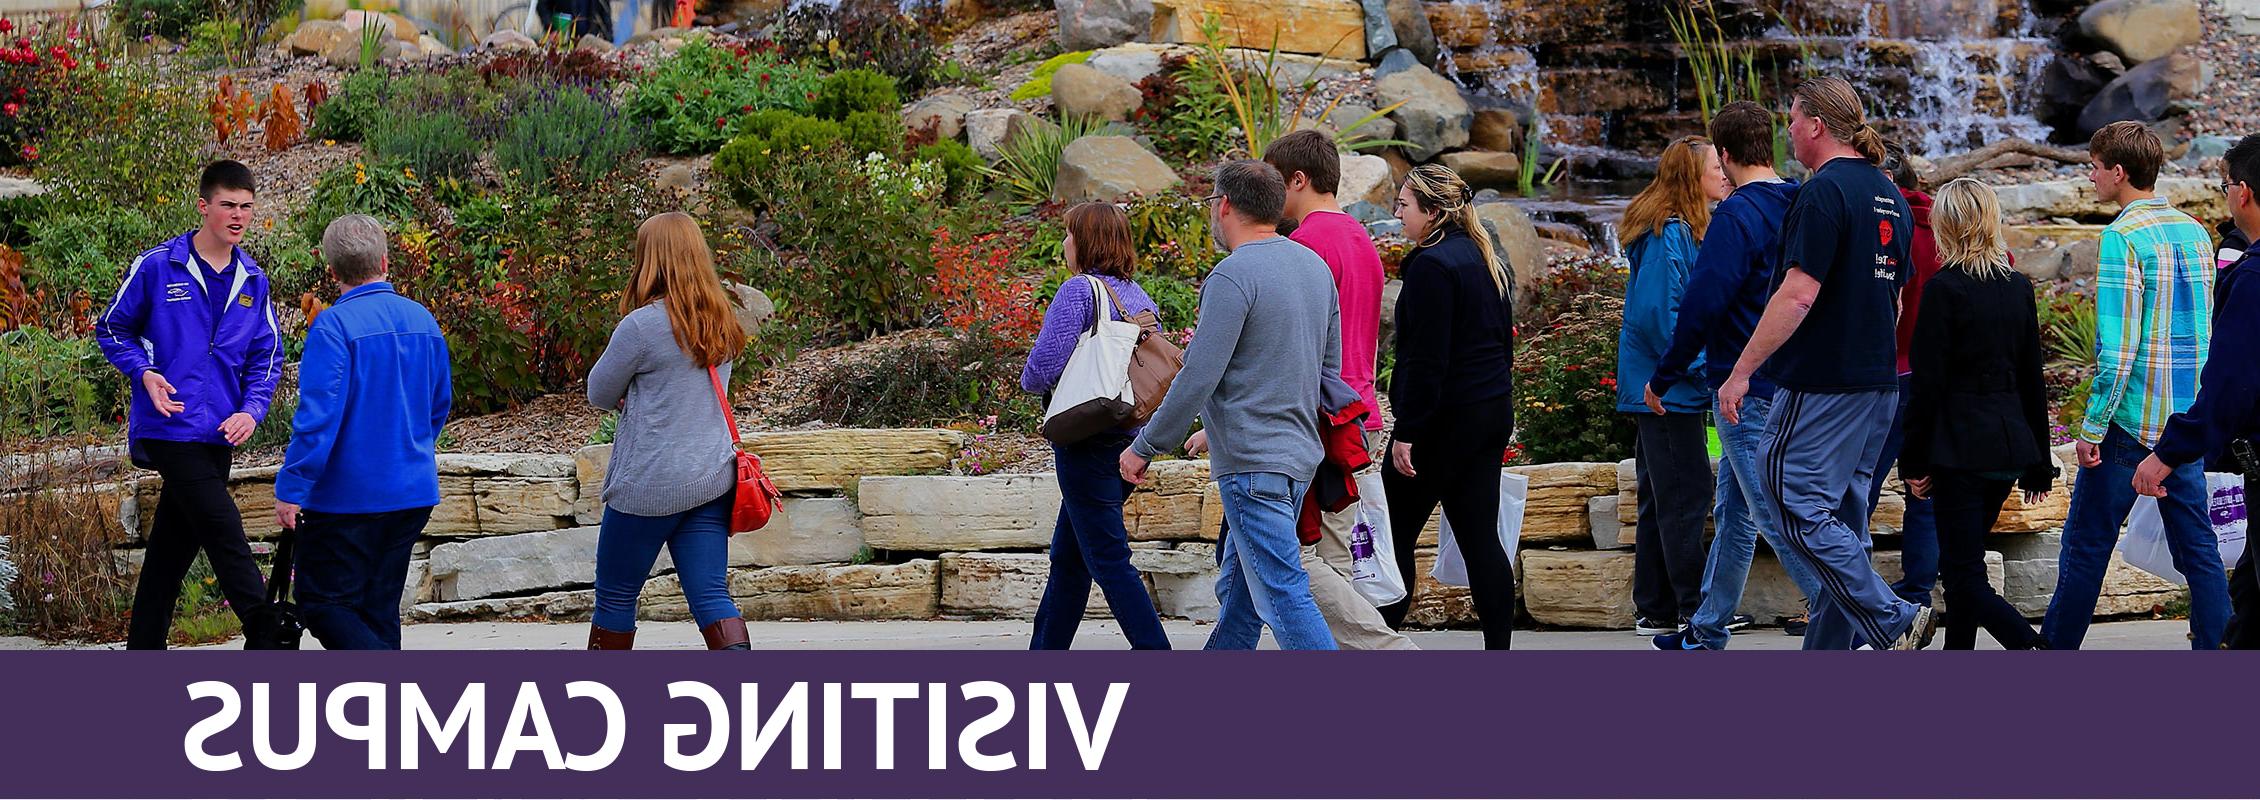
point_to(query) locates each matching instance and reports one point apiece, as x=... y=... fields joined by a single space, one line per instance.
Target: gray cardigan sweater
x=671 y=451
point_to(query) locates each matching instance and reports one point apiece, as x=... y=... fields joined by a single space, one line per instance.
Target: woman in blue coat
x=1666 y=223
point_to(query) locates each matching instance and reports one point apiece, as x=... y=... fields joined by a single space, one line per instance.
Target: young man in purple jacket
x=192 y=330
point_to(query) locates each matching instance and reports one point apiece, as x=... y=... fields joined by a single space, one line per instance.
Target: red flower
x=6 y=26
x=9 y=109
x=745 y=109
x=30 y=153
x=720 y=122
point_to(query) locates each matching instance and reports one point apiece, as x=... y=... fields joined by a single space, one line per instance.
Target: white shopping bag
x=2144 y=546
x=1373 y=552
x=1514 y=491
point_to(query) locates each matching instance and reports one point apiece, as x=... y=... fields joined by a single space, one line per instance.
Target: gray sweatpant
x=1816 y=462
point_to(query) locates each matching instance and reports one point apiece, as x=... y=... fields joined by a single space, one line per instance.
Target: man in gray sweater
x=1265 y=356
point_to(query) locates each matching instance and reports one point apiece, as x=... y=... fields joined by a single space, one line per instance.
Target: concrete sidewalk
x=1095 y=635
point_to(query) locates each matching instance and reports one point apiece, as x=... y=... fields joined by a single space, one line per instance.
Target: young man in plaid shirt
x=2154 y=320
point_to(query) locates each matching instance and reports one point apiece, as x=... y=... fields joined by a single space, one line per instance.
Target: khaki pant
x=1354 y=621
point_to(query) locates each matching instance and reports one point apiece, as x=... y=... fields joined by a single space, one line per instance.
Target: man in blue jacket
x=191 y=329
x=362 y=473
x=2222 y=426
x=1726 y=294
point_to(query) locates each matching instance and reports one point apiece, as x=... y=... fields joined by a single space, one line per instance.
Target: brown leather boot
x=601 y=639
x=727 y=634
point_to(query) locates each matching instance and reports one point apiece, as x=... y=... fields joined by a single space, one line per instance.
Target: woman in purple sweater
x=1089 y=543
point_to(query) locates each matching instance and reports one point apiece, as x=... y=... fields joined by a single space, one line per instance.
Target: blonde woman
x=672 y=470
x=1665 y=224
x=1452 y=391
x=1978 y=423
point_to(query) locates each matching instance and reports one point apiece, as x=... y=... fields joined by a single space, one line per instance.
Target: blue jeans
x=1738 y=529
x=2101 y=498
x=699 y=541
x=1090 y=544
x=1261 y=579
x=351 y=569
x=1918 y=533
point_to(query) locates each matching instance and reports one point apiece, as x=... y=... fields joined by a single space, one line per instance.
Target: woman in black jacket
x=1978 y=421
x=1452 y=392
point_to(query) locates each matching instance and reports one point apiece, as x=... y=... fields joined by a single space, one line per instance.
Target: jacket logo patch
x=243 y=300
x=176 y=292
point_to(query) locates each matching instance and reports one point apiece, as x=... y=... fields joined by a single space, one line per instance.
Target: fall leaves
x=232 y=111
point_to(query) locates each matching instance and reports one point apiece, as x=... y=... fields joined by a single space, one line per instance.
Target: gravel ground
x=2231 y=101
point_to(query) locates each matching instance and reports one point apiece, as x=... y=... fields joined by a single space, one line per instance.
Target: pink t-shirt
x=1341 y=241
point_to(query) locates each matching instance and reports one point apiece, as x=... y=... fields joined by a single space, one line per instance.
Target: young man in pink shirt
x=1313 y=170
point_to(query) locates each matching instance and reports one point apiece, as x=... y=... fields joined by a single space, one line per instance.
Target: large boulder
x=910 y=590
x=1080 y=91
x=1364 y=179
x=2241 y=16
x=1131 y=62
x=2140 y=30
x=945 y=113
x=2074 y=199
x=1434 y=117
x=987 y=129
x=838 y=458
x=1109 y=168
x=508 y=40
x=316 y=36
x=2066 y=86
x=1483 y=169
x=751 y=305
x=1344 y=120
x=2148 y=93
x=1409 y=20
x=1498 y=129
x=1092 y=24
x=1518 y=237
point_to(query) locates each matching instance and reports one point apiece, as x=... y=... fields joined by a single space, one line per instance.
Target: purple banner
x=1118 y=725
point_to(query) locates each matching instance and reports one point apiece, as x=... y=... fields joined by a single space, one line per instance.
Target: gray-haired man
x=362 y=475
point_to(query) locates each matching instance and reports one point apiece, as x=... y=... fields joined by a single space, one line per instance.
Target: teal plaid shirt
x=2153 y=320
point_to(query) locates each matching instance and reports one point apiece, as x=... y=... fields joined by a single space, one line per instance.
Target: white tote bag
x=2144 y=546
x=1099 y=371
x=1373 y=551
x=1514 y=491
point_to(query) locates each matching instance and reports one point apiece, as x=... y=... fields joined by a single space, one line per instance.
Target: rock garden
x=882 y=183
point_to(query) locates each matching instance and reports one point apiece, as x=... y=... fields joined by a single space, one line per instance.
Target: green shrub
x=864 y=33
x=55 y=386
x=873 y=132
x=436 y=144
x=921 y=381
x=126 y=136
x=961 y=167
x=1030 y=160
x=1172 y=236
x=1188 y=112
x=857 y=90
x=565 y=129
x=172 y=19
x=687 y=102
x=1565 y=387
x=291 y=264
x=761 y=123
x=1039 y=84
x=745 y=159
x=84 y=256
x=352 y=109
x=384 y=191
x=857 y=248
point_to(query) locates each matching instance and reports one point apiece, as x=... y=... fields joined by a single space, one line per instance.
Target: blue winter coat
x=162 y=318
x=1651 y=308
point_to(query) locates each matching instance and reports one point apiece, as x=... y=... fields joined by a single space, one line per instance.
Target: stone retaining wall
x=863 y=534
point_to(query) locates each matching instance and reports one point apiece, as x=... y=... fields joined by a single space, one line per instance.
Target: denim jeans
x=2101 y=498
x=1261 y=579
x=1918 y=532
x=1737 y=541
x=351 y=569
x=1089 y=543
x=698 y=540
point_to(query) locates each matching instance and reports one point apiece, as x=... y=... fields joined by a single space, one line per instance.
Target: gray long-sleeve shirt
x=1265 y=356
x=671 y=451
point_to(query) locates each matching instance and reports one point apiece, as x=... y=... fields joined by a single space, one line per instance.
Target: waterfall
x=1961 y=88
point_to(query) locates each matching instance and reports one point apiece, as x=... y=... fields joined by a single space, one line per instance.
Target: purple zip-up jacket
x=161 y=319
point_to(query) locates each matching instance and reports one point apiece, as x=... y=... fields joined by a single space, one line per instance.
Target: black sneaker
x=1792 y=626
x=1681 y=639
x=1648 y=627
x=1739 y=621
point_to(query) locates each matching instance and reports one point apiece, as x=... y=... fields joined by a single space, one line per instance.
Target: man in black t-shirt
x=1828 y=339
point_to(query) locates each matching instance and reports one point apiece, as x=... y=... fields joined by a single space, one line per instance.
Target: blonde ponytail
x=1441 y=191
x=1870 y=144
x=1834 y=102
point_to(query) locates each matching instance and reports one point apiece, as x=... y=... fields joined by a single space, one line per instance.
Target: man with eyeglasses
x=2223 y=423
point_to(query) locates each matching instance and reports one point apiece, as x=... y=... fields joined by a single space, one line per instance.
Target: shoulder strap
x=723 y=400
x=278 y=579
x=1098 y=290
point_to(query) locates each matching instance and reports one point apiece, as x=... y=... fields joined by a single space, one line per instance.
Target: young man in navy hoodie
x=1725 y=295
x=362 y=473
x=2222 y=426
x=191 y=329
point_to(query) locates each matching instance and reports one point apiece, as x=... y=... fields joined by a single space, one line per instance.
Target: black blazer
x=1455 y=338
x=1979 y=404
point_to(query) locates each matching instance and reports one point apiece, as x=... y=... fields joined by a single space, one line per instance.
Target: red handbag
x=756 y=498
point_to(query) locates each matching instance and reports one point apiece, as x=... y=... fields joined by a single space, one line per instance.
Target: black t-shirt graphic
x=1849 y=229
